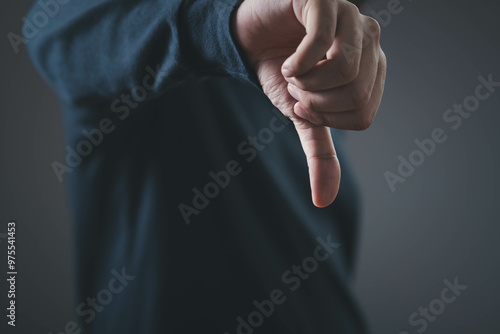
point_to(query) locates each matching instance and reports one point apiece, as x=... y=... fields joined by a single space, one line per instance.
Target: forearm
x=101 y=49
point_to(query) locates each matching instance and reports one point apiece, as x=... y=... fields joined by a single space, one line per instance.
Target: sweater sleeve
x=91 y=51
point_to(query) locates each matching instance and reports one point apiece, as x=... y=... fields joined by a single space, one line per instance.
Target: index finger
x=324 y=167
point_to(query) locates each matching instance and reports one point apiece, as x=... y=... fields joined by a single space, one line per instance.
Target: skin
x=320 y=63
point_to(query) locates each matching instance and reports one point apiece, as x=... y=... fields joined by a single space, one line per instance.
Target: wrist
x=240 y=32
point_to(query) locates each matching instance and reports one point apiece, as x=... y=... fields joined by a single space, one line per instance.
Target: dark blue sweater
x=189 y=193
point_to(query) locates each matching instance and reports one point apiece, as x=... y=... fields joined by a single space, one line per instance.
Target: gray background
x=440 y=224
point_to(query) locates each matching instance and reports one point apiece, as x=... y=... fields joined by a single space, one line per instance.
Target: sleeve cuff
x=218 y=52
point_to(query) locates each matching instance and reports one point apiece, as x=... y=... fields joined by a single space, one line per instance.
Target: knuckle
x=348 y=71
x=361 y=124
x=383 y=60
x=307 y=102
x=360 y=97
x=361 y=121
x=351 y=53
x=372 y=28
x=351 y=8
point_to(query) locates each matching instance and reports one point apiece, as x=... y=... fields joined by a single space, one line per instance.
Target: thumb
x=320 y=24
x=324 y=167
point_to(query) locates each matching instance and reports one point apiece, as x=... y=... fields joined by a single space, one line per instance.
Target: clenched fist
x=320 y=63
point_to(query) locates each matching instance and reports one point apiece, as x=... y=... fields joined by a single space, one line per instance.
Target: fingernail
x=299 y=111
x=286 y=71
x=293 y=91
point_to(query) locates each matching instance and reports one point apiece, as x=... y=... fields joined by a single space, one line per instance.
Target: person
x=194 y=206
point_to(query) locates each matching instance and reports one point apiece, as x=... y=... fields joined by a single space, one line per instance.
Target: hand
x=320 y=63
